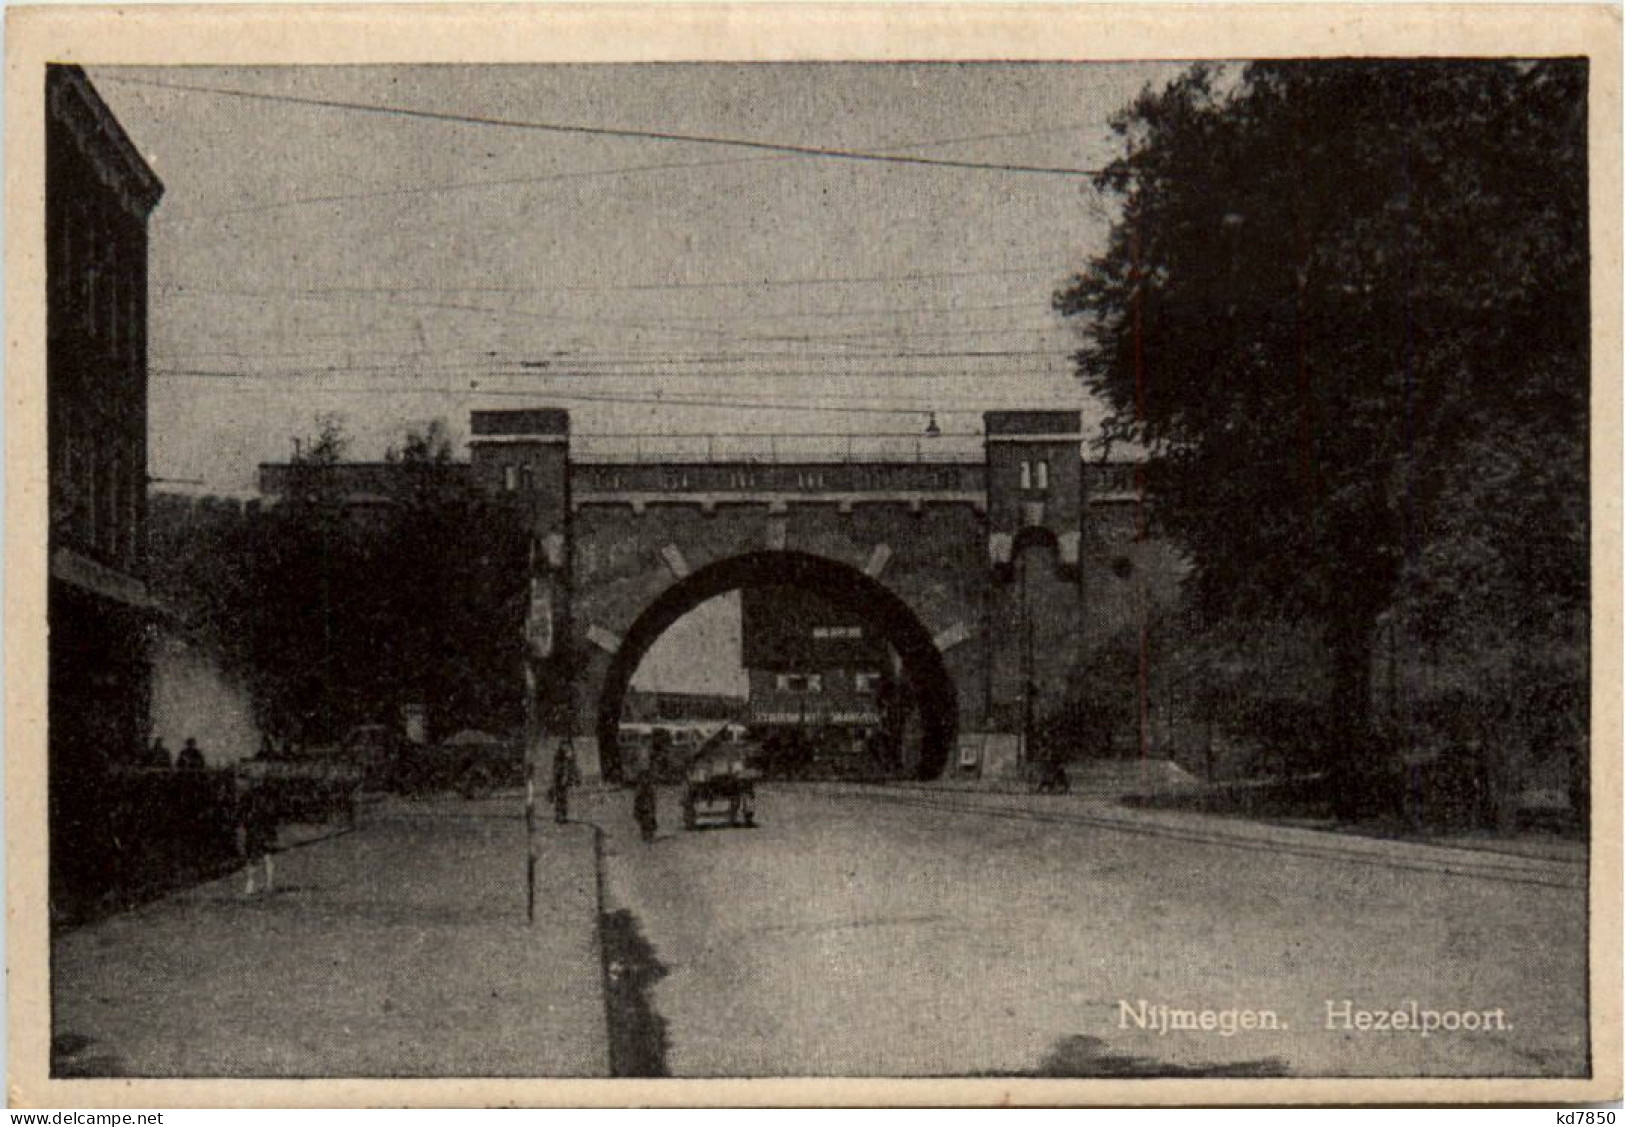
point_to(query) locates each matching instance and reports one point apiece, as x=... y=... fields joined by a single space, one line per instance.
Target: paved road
x=400 y=949
x=850 y=936
x=857 y=931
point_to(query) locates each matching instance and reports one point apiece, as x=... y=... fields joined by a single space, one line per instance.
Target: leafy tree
x=1345 y=310
x=1098 y=710
x=337 y=616
x=456 y=565
x=200 y=562
x=306 y=569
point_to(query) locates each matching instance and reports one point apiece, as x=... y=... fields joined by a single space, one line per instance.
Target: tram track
x=1542 y=874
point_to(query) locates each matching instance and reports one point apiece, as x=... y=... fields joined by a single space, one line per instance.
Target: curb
x=1286 y=841
x=598 y=941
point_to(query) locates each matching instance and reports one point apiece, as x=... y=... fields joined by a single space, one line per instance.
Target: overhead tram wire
x=803 y=373
x=900 y=334
x=583 y=174
x=800 y=356
x=653 y=325
x=321 y=378
x=869 y=339
x=732 y=283
x=676 y=400
x=664 y=358
x=938 y=387
x=739 y=283
x=658 y=354
x=821 y=367
x=901 y=365
x=490 y=310
x=684 y=397
x=772 y=364
x=678 y=326
x=689 y=321
x=619 y=132
x=902 y=362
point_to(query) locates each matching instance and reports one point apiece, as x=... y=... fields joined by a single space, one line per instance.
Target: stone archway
x=837 y=583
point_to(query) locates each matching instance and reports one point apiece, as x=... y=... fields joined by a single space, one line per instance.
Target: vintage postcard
x=812 y=555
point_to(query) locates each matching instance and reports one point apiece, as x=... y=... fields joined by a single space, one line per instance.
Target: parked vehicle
x=471 y=763
x=372 y=751
x=304 y=790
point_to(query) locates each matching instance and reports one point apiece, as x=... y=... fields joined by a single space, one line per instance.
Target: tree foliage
x=1345 y=310
x=454 y=568
x=336 y=615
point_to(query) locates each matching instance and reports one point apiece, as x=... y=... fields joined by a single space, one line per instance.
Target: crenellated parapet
x=778 y=485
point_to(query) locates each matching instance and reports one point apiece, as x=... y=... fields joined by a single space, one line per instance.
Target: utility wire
x=653 y=325
x=610 y=131
x=659 y=400
x=843 y=357
x=662 y=359
x=551 y=177
x=652 y=401
x=460 y=307
x=813 y=280
x=887 y=334
x=821 y=380
x=464 y=186
x=741 y=283
x=678 y=395
x=707 y=321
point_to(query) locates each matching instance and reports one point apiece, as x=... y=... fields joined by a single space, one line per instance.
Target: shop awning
x=76 y=570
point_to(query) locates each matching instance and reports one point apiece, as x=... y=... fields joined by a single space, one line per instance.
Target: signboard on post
x=539 y=644
x=970 y=752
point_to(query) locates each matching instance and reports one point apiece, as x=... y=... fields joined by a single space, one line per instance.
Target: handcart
x=720 y=788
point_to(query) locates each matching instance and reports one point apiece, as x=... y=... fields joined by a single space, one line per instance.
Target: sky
x=312 y=259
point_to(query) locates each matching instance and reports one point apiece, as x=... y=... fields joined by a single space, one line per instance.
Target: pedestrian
x=158 y=754
x=644 y=802
x=659 y=750
x=565 y=775
x=190 y=758
x=257 y=836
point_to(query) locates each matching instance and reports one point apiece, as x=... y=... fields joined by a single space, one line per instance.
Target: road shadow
x=70 y=1058
x=637 y=1035
x=1079 y=1056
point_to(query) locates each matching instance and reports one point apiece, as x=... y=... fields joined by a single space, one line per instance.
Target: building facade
x=646 y=706
x=817 y=672
x=99 y=195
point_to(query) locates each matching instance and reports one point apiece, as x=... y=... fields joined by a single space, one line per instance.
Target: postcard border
x=273 y=34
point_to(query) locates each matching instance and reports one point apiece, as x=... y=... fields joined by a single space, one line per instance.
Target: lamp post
x=532 y=731
x=1029 y=688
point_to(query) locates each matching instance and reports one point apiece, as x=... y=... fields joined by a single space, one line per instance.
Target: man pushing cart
x=720 y=783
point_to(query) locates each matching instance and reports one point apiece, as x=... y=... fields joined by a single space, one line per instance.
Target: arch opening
x=924 y=670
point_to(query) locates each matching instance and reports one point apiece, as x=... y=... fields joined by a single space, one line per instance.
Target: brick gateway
x=976 y=569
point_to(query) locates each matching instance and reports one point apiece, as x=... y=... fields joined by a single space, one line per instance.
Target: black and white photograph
x=989 y=569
